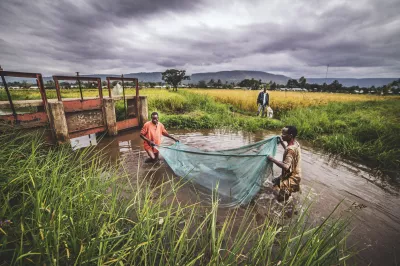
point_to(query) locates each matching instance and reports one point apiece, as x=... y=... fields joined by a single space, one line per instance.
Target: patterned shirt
x=292 y=159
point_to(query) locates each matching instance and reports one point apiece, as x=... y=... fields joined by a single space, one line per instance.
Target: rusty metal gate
x=26 y=119
x=131 y=103
x=83 y=116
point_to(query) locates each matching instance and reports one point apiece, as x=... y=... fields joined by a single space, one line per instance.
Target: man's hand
x=270 y=157
x=152 y=144
x=176 y=140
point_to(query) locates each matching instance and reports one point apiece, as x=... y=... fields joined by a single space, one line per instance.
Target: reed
x=67 y=208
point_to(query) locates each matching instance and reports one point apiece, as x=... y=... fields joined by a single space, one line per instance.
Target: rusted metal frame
x=127 y=79
x=119 y=79
x=9 y=99
x=39 y=82
x=77 y=105
x=137 y=101
x=74 y=78
x=18 y=74
x=79 y=84
x=123 y=93
x=108 y=87
x=57 y=78
x=128 y=123
x=100 y=88
x=58 y=91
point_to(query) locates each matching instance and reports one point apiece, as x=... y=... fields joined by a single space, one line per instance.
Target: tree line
x=302 y=84
x=174 y=78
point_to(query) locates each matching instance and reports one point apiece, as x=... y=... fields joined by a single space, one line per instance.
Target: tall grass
x=245 y=100
x=186 y=110
x=361 y=127
x=67 y=208
x=365 y=131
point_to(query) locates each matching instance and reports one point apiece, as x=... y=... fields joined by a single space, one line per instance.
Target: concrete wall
x=72 y=118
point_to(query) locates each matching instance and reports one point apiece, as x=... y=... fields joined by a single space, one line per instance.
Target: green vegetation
x=365 y=131
x=195 y=111
x=365 y=128
x=174 y=77
x=66 y=208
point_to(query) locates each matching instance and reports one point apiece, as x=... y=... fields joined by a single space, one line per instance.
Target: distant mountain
x=237 y=76
x=348 y=82
x=142 y=76
x=230 y=76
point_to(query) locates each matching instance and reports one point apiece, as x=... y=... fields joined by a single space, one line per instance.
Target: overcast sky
x=358 y=38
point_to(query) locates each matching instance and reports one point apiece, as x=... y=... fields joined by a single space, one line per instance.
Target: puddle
x=83 y=142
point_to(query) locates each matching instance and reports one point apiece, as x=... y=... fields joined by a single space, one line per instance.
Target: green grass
x=362 y=131
x=66 y=208
x=366 y=131
x=188 y=110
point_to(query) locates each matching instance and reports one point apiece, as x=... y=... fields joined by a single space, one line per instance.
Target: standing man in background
x=262 y=101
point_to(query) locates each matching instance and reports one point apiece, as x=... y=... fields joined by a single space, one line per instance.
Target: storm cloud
x=357 y=38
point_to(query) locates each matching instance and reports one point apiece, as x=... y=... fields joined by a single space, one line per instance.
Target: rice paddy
x=245 y=100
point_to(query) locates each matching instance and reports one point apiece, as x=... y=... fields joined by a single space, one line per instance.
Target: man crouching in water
x=151 y=134
x=289 y=181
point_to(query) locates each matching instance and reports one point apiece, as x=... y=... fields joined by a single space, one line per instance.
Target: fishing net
x=236 y=174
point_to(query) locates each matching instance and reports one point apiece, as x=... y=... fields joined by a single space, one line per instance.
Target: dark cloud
x=131 y=9
x=102 y=36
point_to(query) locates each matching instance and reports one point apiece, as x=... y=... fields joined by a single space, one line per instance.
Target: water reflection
x=376 y=224
x=83 y=142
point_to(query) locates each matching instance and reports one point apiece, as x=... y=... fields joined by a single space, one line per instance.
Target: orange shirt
x=153 y=133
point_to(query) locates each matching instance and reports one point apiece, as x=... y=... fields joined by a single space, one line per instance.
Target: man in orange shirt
x=151 y=134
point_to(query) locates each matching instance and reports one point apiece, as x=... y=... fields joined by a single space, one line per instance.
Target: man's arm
x=169 y=136
x=164 y=132
x=148 y=141
x=278 y=163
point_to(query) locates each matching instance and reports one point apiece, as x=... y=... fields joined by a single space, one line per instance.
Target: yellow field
x=242 y=99
x=74 y=93
x=246 y=100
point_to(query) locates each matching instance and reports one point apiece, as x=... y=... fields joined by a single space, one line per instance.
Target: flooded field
x=374 y=201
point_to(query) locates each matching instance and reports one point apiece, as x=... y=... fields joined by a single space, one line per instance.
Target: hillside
x=348 y=82
x=237 y=76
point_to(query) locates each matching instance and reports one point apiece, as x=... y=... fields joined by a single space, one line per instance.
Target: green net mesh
x=236 y=174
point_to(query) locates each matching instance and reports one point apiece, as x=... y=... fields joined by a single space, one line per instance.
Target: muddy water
x=374 y=202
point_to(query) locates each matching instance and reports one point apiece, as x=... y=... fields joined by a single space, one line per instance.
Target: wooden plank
x=83 y=120
x=78 y=105
x=86 y=132
x=128 y=123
